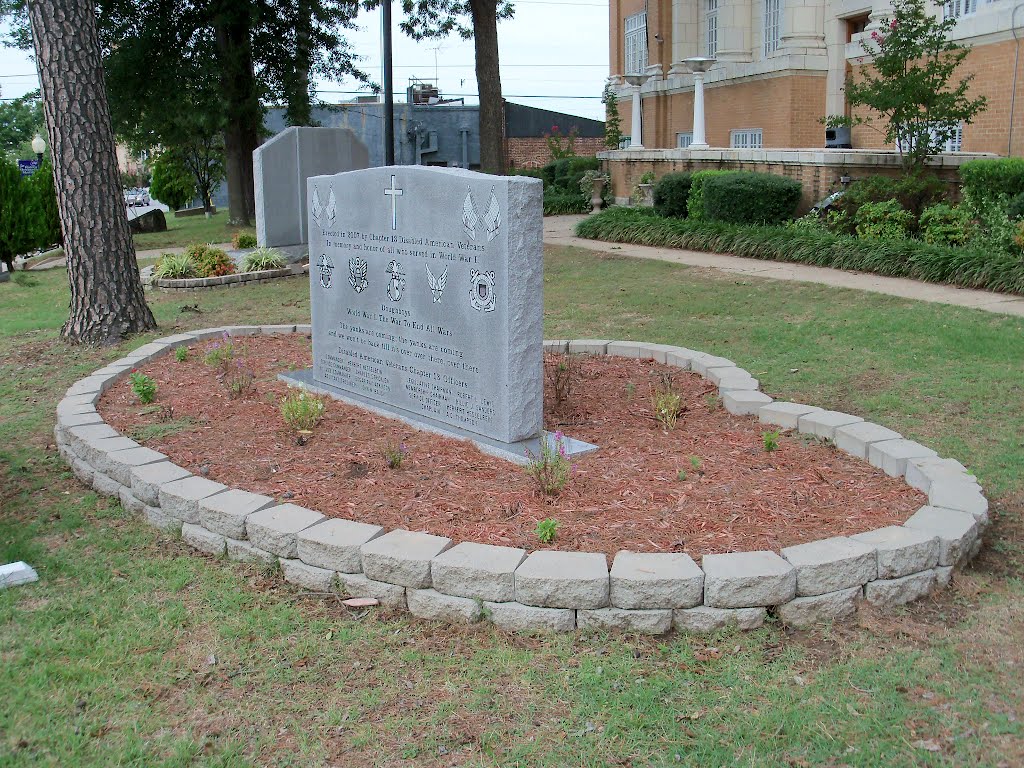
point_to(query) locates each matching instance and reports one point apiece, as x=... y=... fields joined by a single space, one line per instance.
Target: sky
x=551 y=54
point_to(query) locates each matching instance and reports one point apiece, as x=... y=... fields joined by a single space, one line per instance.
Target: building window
x=636 y=43
x=683 y=140
x=711 y=27
x=745 y=138
x=954 y=141
x=772 y=25
x=954 y=9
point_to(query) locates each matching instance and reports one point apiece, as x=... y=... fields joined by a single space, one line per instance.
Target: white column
x=698 y=112
x=636 y=123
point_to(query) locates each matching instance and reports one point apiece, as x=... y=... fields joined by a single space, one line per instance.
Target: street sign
x=28 y=167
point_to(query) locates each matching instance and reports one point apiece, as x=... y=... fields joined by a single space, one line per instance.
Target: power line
x=467 y=95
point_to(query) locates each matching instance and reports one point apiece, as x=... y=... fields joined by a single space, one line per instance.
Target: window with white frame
x=954 y=140
x=746 y=138
x=636 y=43
x=772 y=25
x=954 y=9
x=711 y=28
x=683 y=140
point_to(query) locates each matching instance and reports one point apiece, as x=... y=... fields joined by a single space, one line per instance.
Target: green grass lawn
x=132 y=650
x=191 y=229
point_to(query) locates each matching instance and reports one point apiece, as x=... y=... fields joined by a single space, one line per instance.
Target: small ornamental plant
x=395 y=454
x=771 y=441
x=237 y=377
x=143 y=387
x=563 y=372
x=219 y=351
x=181 y=354
x=547 y=530
x=667 y=404
x=550 y=470
x=242 y=240
x=302 y=411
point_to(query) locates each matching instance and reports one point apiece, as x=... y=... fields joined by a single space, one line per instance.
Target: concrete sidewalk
x=558 y=230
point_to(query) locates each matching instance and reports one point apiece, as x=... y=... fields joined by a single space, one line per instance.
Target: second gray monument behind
x=426 y=289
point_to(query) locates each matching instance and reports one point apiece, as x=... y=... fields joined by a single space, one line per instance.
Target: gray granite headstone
x=281 y=167
x=427 y=295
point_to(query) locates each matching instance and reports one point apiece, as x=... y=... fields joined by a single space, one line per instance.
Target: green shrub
x=695 y=200
x=565 y=175
x=976 y=266
x=210 y=261
x=175 y=266
x=1015 y=208
x=883 y=221
x=943 y=224
x=241 y=240
x=914 y=193
x=262 y=259
x=989 y=180
x=671 y=193
x=562 y=203
x=750 y=198
x=301 y=410
x=47 y=229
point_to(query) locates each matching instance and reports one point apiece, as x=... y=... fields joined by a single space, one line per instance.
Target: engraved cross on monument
x=438 y=320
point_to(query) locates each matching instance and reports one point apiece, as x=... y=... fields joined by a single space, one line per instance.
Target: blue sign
x=28 y=167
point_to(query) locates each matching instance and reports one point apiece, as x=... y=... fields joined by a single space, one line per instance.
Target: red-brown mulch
x=628 y=495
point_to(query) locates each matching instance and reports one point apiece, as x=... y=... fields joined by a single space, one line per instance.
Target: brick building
x=782 y=65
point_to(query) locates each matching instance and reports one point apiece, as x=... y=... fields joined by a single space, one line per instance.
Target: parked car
x=138 y=197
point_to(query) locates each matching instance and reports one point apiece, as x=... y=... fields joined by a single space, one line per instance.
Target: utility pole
x=389 y=90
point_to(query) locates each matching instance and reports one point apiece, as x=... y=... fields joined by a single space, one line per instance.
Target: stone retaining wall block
x=645 y=622
x=965 y=497
x=855 y=438
x=478 y=571
x=156 y=517
x=402 y=557
x=206 y=541
x=105 y=486
x=921 y=473
x=887 y=593
x=94 y=452
x=225 y=513
x=654 y=580
x=805 y=612
x=747 y=580
x=243 y=551
x=276 y=529
x=82 y=471
x=588 y=346
x=119 y=464
x=784 y=414
x=704 y=619
x=901 y=551
x=357 y=585
x=517 y=617
x=891 y=455
x=148 y=478
x=681 y=357
x=335 y=544
x=737 y=383
x=129 y=503
x=180 y=498
x=431 y=604
x=307 y=576
x=957 y=531
x=744 y=403
x=552 y=579
x=823 y=424
x=830 y=565
x=702 y=364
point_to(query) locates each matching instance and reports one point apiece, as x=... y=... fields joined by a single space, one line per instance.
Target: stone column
x=686 y=34
x=698 y=112
x=803 y=26
x=734 y=30
x=636 y=121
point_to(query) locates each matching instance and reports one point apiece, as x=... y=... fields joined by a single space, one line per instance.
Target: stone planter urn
x=646 y=195
x=595 y=194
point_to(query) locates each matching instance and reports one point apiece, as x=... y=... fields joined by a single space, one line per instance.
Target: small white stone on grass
x=652 y=580
x=478 y=571
x=276 y=529
x=645 y=622
x=431 y=604
x=856 y=438
x=15 y=574
x=901 y=551
x=552 y=579
x=747 y=580
x=831 y=564
x=530 y=618
x=402 y=557
x=957 y=531
x=705 y=619
x=225 y=513
x=335 y=544
x=784 y=414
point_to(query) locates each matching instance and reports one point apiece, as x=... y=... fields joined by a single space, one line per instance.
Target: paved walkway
x=558 y=230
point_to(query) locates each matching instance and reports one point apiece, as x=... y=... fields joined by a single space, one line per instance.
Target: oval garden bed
x=782 y=510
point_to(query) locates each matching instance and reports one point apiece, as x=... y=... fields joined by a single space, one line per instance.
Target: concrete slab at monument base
x=519 y=452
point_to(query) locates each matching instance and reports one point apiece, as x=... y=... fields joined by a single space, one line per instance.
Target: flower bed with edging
x=238 y=278
x=552 y=590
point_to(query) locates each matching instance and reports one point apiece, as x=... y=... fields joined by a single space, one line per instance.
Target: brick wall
x=992 y=67
x=534 y=152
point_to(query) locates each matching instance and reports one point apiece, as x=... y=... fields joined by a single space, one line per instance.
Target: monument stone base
x=518 y=453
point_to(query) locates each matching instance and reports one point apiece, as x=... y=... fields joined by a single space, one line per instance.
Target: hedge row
x=965 y=267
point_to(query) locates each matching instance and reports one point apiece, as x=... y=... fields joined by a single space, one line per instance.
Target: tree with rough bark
x=439 y=18
x=107 y=301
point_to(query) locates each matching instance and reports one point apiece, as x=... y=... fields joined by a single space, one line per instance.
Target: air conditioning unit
x=838 y=138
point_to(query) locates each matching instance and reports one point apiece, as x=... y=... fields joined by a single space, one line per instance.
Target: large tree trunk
x=488 y=80
x=299 y=107
x=238 y=80
x=107 y=302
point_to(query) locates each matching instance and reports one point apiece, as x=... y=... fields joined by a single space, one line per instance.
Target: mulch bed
x=707 y=486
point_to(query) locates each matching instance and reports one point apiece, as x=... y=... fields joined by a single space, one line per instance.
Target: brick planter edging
x=552 y=590
x=238 y=278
